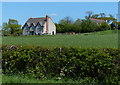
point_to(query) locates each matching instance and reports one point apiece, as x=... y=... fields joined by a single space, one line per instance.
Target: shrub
x=101 y=64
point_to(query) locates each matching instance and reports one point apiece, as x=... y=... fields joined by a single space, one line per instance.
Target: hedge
x=65 y=62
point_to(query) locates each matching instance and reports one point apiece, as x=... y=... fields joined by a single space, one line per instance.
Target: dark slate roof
x=97 y=20
x=41 y=20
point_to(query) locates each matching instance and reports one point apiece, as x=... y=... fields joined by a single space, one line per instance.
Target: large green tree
x=104 y=26
x=11 y=28
x=65 y=25
x=77 y=26
x=88 y=26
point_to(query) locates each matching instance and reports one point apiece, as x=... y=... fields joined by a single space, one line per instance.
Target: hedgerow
x=62 y=62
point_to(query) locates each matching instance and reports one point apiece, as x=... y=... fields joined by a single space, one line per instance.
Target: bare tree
x=111 y=16
x=102 y=14
x=89 y=13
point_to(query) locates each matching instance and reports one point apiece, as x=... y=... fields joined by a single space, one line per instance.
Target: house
x=39 y=26
x=98 y=21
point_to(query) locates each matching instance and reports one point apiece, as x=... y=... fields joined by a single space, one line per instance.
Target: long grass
x=27 y=80
x=24 y=80
x=105 y=39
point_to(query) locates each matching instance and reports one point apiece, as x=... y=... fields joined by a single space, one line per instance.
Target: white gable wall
x=44 y=28
x=51 y=27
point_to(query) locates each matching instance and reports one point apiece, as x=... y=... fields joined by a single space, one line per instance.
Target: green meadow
x=103 y=39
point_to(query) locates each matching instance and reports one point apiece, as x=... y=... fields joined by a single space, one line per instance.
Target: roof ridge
x=96 y=19
x=37 y=18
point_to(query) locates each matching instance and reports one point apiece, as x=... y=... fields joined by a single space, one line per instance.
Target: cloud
x=53 y=14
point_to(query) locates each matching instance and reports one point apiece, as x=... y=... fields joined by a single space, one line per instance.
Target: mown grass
x=103 y=39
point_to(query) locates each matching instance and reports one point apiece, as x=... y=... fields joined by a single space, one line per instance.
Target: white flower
x=6 y=62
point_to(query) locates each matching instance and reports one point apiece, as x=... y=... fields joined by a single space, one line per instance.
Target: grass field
x=14 y=79
x=103 y=39
x=27 y=79
x=24 y=80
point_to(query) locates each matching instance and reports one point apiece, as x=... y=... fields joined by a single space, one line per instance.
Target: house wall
x=44 y=28
x=51 y=27
x=26 y=32
x=39 y=29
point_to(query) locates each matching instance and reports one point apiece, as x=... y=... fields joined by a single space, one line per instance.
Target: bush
x=74 y=63
x=104 y=26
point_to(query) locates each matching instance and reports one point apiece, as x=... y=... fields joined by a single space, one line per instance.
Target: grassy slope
x=99 y=39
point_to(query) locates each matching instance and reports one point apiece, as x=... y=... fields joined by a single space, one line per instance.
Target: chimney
x=47 y=23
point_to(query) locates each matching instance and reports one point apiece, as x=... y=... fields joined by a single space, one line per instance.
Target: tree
x=68 y=20
x=12 y=21
x=102 y=14
x=111 y=16
x=118 y=25
x=89 y=14
x=95 y=16
x=59 y=28
x=114 y=25
x=104 y=26
x=77 y=22
x=88 y=26
x=77 y=26
x=62 y=22
x=11 y=28
x=65 y=25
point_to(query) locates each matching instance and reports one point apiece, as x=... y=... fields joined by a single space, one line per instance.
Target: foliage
x=85 y=25
x=119 y=25
x=114 y=25
x=104 y=26
x=11 y=28
x=95 y=16
x=62 y=63
x=79 y=26
x=88 y=26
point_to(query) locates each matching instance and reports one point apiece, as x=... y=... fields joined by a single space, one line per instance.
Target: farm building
x=98 y=21
x=39 y=26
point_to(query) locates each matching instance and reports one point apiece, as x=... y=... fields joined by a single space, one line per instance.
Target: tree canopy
x=86 y=25
x=11 y=28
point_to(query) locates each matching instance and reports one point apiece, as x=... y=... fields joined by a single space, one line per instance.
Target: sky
x=22 y=11
x=60 y=0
